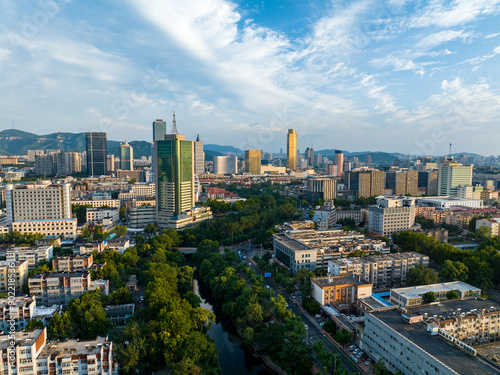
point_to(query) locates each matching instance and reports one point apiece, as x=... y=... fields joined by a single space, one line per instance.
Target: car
x=360 y=354
x=317 y=316
x=306 y=326
x=293 y=297
x=355 y=351
x=268 y=287
x=352 y=347
x=368 y=362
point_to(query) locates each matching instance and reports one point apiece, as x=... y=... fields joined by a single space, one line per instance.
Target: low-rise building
x=15 y=313
x=97 y=215
x=141 y=216
x=448 y=202
x=492 y=224
x=119 y=315
x=72 y=263
x=383 y=271
x=13 y=274
x=413 y=296
x=34 y=355
x=96 y=203
x=52 y=227
x=340 y=291
x=119 y=245
x=33 y=254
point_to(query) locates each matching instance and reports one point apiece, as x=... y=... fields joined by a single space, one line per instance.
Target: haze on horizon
x=394 y=75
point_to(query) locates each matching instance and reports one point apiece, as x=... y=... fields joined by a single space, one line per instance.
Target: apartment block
x=383 y=271
x=95 y=203
x=97 y=215
x=13 y=274
x=34 y=355
x=72 y=263
x=16 y=312
x=366 y=182
x=32 y=254
x=391 y=214
x=53 y=227
x=493 y=224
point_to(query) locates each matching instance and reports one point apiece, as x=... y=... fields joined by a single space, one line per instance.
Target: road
x=314 y=330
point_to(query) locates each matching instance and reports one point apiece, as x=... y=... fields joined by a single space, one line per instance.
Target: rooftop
x=18 y=301
x=73 y=347
x=418 y=291
x=338 y=280
x=450 y=355
x=21 y=338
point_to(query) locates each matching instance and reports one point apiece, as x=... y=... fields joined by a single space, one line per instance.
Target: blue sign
x=267 y=274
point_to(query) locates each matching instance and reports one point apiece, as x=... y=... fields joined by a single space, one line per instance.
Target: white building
x=225 y=164
x=469 y=191
x=391 y=214
x=16 y=312
x=141 y=216
x=53 y=227
x=33 y=254
x=17 y=269
x=97 y=215
x=448 y=202
x=451 y=175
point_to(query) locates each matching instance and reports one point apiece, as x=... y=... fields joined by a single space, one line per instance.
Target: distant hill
x=377 y=156
x=224 y=150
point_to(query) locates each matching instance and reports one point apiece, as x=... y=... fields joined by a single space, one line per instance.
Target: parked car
x=355 y=351
x=268 y=287
x=317 y=316
x=368 y=362
x=360 y=354
x=352 y=347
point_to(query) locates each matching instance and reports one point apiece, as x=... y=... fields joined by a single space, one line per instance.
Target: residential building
x=96 y=203
x=391 y=214
x=52 y=227
x=291 y=149
x=492 y=224
x=110 y=164
x=309 y=156
x=16 y=312
x=97 y=215
x=34 y=355
x=37 y=202
x=383 y=271
x=126 y=157
x=339 y=162
x=32 y=254
x=413 y=296
x=470 y=191
x=199 y=156
x=339 y=291
x=45 y=165
x=402 y=182
x=366 y=183
x=252 y=161
x=32 y=154
x=428 y=180
x=61 y=287
x=321 y=188
x=8 y=269
x=72 y=263
x=451 y=175
x=97 y=151
x=225 y=164
x=68 y=163
x=141 y=216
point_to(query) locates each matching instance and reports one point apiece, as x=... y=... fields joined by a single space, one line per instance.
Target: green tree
x=34 y=324
x=123 y=213
x=453 y=271
x=121 y=230
x=150 y=228
x=343 y=337
x=60 y=326
x=421 y=275
x=87 y=316
x=133 y=181
x=429 y=297
x=452 y=294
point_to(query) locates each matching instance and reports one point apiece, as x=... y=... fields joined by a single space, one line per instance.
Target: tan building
x=324 y=188
x=402 y=182
x=33 y=254
x=339 y=291
x=113 y=203
x=366 y=182
x=8 y=269
x=252 y=161
x=291 y=155
x=16 y=312
x=54 y=227
x=35 y=356
x=72 y=263
x=470 y=191
x=492 y=224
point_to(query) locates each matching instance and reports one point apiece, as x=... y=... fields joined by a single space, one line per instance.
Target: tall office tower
x=174 y=177
x=324 y=188
x=451 y=175
x=252 y=161
x=32 y=154
x=309 y=155
x=291 y=150
x=97 y=154
x=37 y=202
x=318 y=160
x=199 y=156
x=368 y=160
x=159 y=130
x=366 y=183
x=225 y=164
x=68 y=163
x=339 y=160
x=44 y=165
x=331 y=169
x=111 y=163
x=126 y=157
x=402 y=182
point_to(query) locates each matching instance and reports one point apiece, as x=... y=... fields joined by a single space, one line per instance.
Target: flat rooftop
x=338 y=280
x=456 y=308
x=21 y=338
x=73 y=347
x=418 y=291
x=18 y=301
x=436 y=346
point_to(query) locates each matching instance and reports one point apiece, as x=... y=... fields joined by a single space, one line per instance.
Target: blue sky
x=396 y=75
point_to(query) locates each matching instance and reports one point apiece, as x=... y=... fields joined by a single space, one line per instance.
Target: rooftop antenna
x=174 y=126
x=450 y=151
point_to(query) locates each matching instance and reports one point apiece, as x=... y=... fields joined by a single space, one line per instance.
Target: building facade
x=97 y=153
x=13 y=270
x=252 y=161
x=451 y=175
x=291 y=149
x=53 y=227
x=199 y=156
x=225 y=164
x=391 y=214
x=126 y=157
x=32 y=254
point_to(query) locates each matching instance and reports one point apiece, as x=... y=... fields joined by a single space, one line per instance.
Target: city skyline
x=362 y=75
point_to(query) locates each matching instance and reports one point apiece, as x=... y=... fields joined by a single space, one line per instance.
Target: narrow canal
x=234 y=357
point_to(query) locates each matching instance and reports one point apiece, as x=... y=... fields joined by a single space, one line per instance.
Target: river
x=234 y=357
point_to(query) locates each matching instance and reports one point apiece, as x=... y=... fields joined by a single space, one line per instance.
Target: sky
x=395 y=75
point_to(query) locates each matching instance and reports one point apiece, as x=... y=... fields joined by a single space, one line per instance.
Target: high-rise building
x=368 y=160
x=339 y=161
x=429 y=181
x=309 y=155
x=291 y=150
x=391 y=214
x=451 y=175
x=96 y=154
x=252 y=161
x=37 y=202
x=225 y=164
x=111 y=163
x=126 y=157
x=402 y=182
x=159 y=130
x=324 y=188
x=367 y=183
x=32 y=154
x=68 y=163
x=199 y=156
x=45 y=165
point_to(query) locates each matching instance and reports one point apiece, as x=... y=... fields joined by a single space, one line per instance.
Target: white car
x=352 y=347
x=317 y=316
x=360 y=354
x=306 y=326
x=368 y=362
x=355 y=351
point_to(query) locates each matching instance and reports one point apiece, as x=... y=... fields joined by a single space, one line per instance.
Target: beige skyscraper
x=252 y=161
x=291 y=156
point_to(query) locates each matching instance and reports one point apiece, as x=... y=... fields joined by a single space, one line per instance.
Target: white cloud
x=399 y=64
x=443 y=13
x=433 y=40
x=489 y=36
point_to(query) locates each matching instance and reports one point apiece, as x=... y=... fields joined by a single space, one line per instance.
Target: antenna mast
x=449 y=155
x=174 y=126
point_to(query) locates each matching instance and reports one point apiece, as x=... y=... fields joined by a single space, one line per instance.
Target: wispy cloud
x=433 y=40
